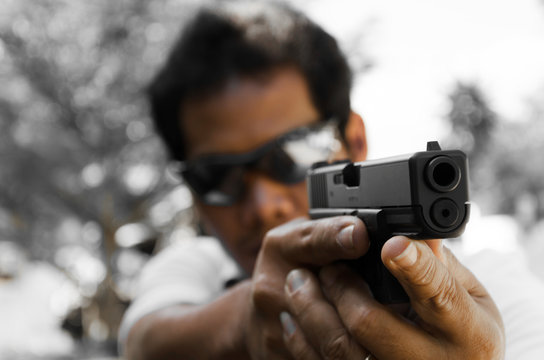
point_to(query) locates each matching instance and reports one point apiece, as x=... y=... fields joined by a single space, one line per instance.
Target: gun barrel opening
x=443 y=174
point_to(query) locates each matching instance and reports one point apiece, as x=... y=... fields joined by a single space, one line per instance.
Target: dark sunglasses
x=219 y=179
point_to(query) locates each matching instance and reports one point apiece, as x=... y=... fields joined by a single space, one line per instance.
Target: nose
x=267 y=202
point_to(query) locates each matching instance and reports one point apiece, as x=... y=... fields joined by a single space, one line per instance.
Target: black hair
x=244 y=38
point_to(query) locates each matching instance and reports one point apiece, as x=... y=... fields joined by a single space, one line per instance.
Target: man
x=251 y=94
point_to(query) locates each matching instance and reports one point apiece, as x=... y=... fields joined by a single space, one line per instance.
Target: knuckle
x=300 y=350
x=283 y=230
x=261 y=293
x=271 y=237
x=272 y=340
x=298 y=228
x=425 y=274
x=307 y=242
x=335 y=290
x=336 y=347
x=444 y=296
x=439 y=288
x=318 y=239
x=304 y=309
x=364 y=322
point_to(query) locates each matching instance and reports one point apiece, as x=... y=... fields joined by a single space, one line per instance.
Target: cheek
x=299 y=195
x=225 y=222
x=217 y=221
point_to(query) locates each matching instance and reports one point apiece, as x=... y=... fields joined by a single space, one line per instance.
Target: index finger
x=320 y=242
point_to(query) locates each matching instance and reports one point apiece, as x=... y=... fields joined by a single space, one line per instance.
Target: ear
x=355 y=135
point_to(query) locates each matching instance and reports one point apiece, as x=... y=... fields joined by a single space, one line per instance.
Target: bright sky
x=421 y=48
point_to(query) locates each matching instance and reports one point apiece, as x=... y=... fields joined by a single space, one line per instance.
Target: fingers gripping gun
x=423 y=195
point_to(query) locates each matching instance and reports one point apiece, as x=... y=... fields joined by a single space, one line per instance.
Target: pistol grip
x=384 y=286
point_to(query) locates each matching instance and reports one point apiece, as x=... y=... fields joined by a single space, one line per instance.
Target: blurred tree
x=471 y=119
x=505 y=158
x=516 y=157
x=472 y=123
x=78 y=152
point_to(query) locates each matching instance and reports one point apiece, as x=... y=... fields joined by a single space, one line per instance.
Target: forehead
x=247 y=112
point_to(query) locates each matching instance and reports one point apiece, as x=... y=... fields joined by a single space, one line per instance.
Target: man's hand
x=452 y=315
x=299 y=243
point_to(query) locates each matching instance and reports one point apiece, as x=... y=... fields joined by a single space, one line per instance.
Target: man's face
x=245 y=114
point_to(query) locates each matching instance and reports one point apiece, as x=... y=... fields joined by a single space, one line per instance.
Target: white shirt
x=191 y=271
x=519 y=296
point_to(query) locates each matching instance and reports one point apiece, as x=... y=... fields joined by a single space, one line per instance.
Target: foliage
x=79 y=156
x=505 y=156
x=471 y=120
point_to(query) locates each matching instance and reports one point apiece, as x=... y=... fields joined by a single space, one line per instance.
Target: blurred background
x=86 y=194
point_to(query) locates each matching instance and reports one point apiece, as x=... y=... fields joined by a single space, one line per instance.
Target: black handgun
x=423 y=195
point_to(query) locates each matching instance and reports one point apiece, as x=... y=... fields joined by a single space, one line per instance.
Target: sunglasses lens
x=229 y=186
x=219 y=180
x=215 y=184
x=281 y=167
x=295 y=152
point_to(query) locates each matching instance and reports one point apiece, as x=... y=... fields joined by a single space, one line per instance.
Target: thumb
x=434 y=292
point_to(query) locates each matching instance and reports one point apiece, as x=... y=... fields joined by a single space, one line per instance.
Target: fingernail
x=295 y=279
x=408 y=256
x=287 y=323
x=345 y=237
